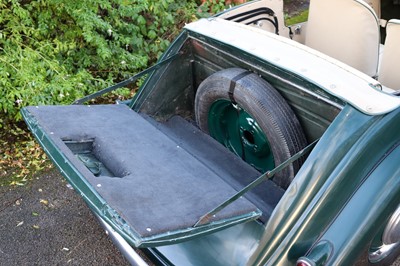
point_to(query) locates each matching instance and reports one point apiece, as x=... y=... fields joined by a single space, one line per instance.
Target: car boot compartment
x=152 y=180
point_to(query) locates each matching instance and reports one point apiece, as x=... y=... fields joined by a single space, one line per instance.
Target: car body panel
x=337 y=185
x=354 y=87
x=341 y=198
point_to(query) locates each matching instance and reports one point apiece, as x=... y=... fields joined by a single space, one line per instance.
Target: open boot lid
x=149 y=180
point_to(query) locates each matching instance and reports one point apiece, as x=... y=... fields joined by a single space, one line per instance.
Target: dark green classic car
x=249 y=143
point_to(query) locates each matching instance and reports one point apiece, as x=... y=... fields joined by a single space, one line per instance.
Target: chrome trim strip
x=305 y=261
x=391 y=234
x=382 y=252
x=126 y=249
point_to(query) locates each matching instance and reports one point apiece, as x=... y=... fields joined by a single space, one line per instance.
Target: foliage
x=54 y=51
x=297 y=18
x=20 y=156
x=212 y=7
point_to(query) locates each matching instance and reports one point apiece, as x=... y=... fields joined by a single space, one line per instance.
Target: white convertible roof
x=333 y=76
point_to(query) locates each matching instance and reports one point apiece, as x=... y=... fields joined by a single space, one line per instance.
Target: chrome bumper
x=126 y=249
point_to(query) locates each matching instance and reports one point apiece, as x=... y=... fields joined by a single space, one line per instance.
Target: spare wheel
x=248 y=116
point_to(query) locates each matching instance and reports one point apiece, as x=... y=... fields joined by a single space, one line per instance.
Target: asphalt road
x=47 y=223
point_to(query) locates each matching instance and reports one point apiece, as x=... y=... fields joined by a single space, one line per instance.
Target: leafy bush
x=55 y=51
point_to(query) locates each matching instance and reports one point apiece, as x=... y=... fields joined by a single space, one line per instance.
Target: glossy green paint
x=238 y=131
x=267 y=175
x=348 y=185
x=320 y=254
x=341 y=184
x=324 y=184
x=348 y=153
x=374 y=206
x=232 y=246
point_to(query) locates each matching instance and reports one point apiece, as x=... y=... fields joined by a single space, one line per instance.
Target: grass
x=298 y=18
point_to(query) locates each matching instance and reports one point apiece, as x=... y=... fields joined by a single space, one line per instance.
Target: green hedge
x=55 y=51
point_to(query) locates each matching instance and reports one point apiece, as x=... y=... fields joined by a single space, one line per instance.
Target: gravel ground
x=46 y=223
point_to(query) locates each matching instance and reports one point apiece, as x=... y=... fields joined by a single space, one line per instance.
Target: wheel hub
x=232 y=126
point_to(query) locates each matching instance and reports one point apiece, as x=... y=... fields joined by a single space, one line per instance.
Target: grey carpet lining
x=166 y=175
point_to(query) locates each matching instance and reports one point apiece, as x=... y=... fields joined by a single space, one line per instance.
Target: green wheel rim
x=232 y=126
